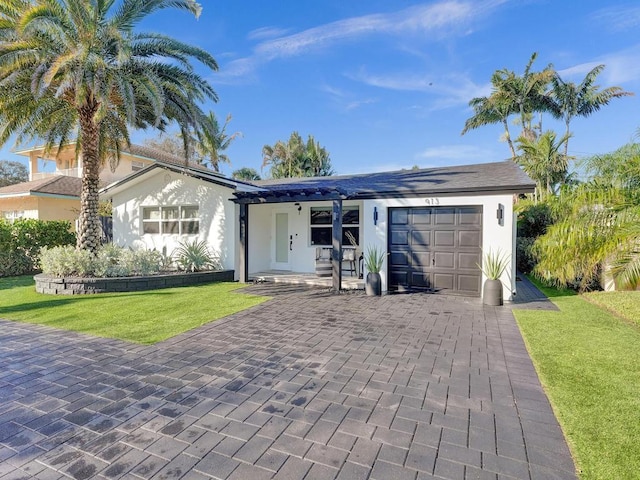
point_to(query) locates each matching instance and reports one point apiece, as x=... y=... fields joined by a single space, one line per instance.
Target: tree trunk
x=566 y=144
x=509 y=141
x=89 y=224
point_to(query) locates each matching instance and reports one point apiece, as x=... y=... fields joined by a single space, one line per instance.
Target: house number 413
x=432 y=201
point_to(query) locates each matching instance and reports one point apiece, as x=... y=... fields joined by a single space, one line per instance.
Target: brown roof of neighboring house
x=54 y=185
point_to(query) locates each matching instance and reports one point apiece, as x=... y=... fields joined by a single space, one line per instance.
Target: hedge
x=21 y=241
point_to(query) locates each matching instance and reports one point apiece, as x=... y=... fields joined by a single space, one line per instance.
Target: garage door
x=436 y=249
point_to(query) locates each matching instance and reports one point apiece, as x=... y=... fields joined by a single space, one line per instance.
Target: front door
x=282 y=243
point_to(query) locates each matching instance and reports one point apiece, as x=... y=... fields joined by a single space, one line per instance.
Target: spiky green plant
x=494 y=264
x=195 y=256
x=374 y=259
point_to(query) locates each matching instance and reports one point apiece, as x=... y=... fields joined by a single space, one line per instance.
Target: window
x=178 y=220
x=13 y=215
x=135 y=165
x=322 y=229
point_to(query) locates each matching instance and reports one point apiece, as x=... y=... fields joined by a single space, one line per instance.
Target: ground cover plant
x=589 y=363
x=141 y=317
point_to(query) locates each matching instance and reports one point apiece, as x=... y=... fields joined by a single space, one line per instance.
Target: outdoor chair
x=349 y=256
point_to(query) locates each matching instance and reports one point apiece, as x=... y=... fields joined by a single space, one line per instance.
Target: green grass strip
x=141 y=317
x=589 y=363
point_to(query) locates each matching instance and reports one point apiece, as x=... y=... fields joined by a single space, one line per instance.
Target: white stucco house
x=433 y=223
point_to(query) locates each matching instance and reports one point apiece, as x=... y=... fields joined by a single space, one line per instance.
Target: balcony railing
x=69 y=172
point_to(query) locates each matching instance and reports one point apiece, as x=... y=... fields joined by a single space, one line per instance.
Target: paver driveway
x=308 y=385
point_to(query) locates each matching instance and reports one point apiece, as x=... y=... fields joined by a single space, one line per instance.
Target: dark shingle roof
x=54 y=185
x=485 y=177
x=155 y=154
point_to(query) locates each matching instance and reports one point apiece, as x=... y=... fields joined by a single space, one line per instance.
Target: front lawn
x=623 y=304
x=142 y=317
x=589 y=363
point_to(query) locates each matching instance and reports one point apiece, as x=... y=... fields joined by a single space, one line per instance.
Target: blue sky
x=385 y=85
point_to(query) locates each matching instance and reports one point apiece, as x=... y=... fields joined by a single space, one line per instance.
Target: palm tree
x=598 y=228
x=543 y=161
x=76 y=68
x=295 y=158
x=213 y=140
x=490 y=110
x=512 y=94
x=246 y=173
x=567 y=100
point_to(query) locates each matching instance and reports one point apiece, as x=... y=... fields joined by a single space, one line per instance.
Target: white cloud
x=345 y=100
x=620 y=67
x=450 y=90
x=266 y=32
x=456 y=152
x=618 y=18
x=433 y=19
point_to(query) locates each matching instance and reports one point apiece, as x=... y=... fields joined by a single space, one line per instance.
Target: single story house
x=434 y=223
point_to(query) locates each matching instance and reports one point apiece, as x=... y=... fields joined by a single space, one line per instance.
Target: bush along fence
x=21 y=241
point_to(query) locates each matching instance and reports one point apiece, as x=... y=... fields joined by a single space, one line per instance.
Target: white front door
x=282 y=243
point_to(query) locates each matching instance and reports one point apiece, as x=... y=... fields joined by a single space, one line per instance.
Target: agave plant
x=373 y=259
x=195 y=256
x=494 y=264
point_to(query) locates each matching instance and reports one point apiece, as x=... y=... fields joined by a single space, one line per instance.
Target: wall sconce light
x=500 y=214
x=299 y=207
x=375 y=215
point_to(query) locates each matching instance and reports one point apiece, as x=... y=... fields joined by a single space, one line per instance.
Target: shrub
x=109 y=261
x=195 y=256
x=525 y=257
x=65 y=261
x=533 y=219
x=21 y=241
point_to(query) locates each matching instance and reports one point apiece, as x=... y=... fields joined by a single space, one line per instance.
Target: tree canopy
x=246 y=173
x=77 y=68
x=297 y=158
x=12 y=173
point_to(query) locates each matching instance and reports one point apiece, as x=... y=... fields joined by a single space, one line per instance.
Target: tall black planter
x=492 y=292
x=373 y=284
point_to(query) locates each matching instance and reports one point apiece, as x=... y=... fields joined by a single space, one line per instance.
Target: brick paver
x=308 y=385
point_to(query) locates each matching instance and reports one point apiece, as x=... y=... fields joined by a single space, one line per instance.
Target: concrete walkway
x=308 y=385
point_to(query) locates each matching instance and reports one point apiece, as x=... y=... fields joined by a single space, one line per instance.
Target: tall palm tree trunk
x=509 y=141
x=89 y=227
x=566 y=144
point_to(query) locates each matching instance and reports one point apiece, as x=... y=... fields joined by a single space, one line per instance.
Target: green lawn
x=142 y=317
x=623 y=304
x=589 y=363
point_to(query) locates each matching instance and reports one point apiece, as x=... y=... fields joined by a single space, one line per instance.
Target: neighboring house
x=55 y=195
x=433 y=223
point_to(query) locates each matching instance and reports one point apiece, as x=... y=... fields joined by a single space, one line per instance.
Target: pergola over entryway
x=293 y=195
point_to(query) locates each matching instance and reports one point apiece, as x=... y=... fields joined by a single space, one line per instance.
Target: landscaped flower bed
x=50 y=284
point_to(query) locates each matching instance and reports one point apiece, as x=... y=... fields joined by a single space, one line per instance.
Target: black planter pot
x=492 y=292
x=373 y=284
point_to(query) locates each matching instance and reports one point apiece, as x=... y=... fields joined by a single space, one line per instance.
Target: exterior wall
x=26 y=204
x=123 y=169
x=58 y=209
x=302 y=256
x=494 y=236
x=217 y=215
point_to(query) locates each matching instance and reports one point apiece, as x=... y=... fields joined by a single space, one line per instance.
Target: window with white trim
x=13 y=215
x=136 y=165
x=321 y=224
x=171 y=220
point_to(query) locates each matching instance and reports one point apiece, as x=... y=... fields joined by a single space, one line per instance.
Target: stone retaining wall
x=77 y=285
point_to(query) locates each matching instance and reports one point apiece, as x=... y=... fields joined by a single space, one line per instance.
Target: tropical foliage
x=195 y=256
x=494 y=264
x=374 y=259
x=544 y=161
x=295 y=158
x=246 y=173
x=77 y=68
x=520 y=97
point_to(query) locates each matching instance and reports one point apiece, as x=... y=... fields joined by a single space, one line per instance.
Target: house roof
x=58 y=185
x=198 y=172
x=504 y=177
